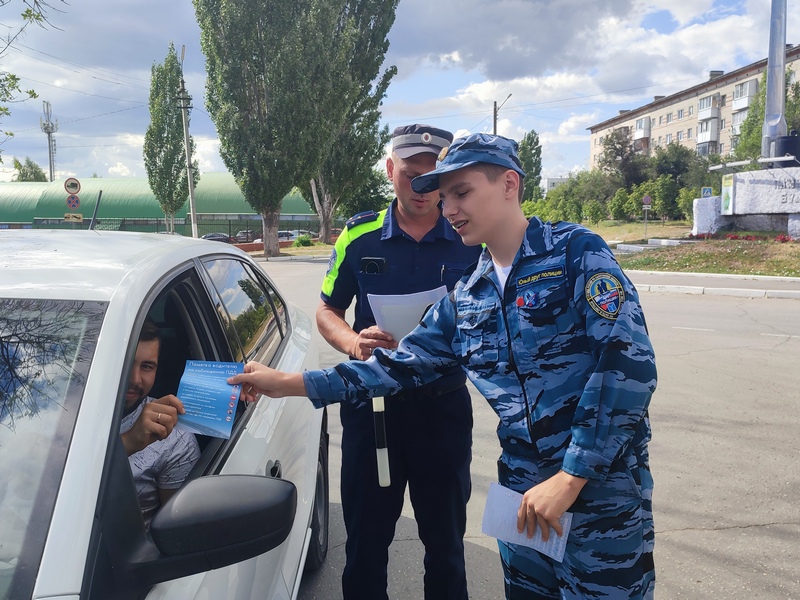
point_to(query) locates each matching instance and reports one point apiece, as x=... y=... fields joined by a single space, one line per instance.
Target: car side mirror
x=215 y=521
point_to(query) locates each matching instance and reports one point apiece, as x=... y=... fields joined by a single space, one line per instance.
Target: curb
x=711 y=291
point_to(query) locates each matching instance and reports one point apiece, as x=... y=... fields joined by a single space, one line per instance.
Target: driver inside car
x=160 y=455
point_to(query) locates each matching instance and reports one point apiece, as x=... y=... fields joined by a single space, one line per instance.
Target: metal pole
x=646 y=210
x=184 y=97
x=494 y=114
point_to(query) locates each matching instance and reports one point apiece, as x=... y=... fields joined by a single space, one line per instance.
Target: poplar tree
x=530 y=157
x=360 y=141
x=278 y=89
x=164 y=146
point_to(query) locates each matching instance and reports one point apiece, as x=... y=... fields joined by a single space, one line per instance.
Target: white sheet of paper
x=399 y=314
x=500 y=521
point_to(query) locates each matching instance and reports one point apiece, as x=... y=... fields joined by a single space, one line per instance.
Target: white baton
x=382 y=452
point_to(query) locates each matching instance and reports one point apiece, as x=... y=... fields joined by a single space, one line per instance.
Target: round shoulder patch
x=605 y=295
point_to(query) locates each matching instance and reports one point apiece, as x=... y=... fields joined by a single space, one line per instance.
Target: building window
x=660 y=119
x=669 y=118
x=706 y=102
x=680 y=114
x=669 y=138
x=691 y=112
x=707 y=148
x=721 y=148
x=742 y=90
x=722 y=99
x=689 y=133
x=640 y=123
x=680 y=136
x=738 y=117
x=703 y=126
x=653 y=122
x=722 y=124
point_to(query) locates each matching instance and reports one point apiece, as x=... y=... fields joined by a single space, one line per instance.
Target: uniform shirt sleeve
x=340 y=285
x=420 y=358
x=614 y=402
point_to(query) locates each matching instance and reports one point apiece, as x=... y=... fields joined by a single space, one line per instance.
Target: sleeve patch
x=605 y=295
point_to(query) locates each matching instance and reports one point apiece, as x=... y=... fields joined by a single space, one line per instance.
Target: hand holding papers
x=500 y=521
x=399 y=314
x=209 y=400
x=396 y=315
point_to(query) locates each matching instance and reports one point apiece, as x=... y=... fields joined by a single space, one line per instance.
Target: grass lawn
x=757 y=257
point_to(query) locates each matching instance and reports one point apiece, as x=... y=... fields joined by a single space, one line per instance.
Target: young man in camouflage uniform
x=550 y=330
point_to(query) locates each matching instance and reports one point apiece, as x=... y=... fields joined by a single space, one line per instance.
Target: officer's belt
x=430 y=391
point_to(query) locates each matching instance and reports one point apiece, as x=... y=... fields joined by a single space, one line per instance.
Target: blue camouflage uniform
x=563 y=357
x=373 y=255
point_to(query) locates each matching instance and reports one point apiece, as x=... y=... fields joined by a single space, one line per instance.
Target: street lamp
x=496 y=108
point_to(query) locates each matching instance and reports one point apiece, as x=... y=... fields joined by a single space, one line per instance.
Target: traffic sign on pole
x=647 y=200
x=706 y=192
x=73 y=201
x=72 y=185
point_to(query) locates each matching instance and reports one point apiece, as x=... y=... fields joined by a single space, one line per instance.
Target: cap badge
x=443 y=153
x=426 y=138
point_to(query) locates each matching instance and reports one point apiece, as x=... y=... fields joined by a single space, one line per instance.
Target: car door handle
x=274 y=469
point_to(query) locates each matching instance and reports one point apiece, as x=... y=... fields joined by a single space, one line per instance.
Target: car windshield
x=46 y=347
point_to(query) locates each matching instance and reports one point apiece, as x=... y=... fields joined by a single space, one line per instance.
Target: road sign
x=706 y=192
x=646 y=207
x=72 y=185
x=73 y=218
x=647 y=200
x=73 y=201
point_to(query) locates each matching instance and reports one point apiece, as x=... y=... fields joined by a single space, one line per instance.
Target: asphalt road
x=724 y=451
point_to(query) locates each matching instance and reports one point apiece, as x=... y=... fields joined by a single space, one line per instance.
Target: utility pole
x=184 y=99
x=49 y=127
x=494 y=114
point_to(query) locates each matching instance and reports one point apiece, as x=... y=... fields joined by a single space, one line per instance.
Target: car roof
x=90 y=265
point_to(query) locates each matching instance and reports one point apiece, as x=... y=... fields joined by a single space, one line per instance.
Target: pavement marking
x=693 y=329
x=782 y=335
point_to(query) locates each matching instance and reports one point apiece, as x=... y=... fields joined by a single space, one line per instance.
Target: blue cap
x=467 y=151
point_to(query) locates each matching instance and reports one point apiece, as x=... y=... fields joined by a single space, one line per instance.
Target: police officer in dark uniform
x=404 y=249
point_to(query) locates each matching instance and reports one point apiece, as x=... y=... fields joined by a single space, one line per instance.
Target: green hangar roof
x=216 y=194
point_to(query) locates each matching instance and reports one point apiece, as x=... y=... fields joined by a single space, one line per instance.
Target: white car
x=253 y=511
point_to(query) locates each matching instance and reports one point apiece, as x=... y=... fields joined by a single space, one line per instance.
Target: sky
x=554 y=66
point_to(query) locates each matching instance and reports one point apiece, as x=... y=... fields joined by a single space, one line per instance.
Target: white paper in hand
x=500 y=521
x=399 y=314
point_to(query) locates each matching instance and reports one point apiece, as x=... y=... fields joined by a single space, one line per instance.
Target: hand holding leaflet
x=399 y=314
x=209 y=400
x=500 y=521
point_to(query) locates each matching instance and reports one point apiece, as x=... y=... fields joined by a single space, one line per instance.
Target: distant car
x=219 y=237
x=284 y=236
x=253 y=511
x=301 y=232
x=246 y=235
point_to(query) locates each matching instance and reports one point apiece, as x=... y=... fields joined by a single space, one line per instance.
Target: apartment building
x=706 y=117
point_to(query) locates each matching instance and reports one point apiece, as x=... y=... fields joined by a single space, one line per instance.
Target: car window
x=46 y=348
x=252 y=317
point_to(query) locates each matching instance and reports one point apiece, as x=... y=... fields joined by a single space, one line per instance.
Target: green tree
x=28 y=171
x=750 y=133
x=374 y=194
x=278 y=90
x=530 y=156
x=164 y=145
x=617 y=205
x=34 y=12
x=620 y=160
x=360 y=141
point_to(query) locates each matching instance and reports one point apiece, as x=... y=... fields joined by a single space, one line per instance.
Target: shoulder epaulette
x=363 y=217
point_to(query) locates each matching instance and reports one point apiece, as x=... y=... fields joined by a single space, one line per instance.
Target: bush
x=303 y=240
